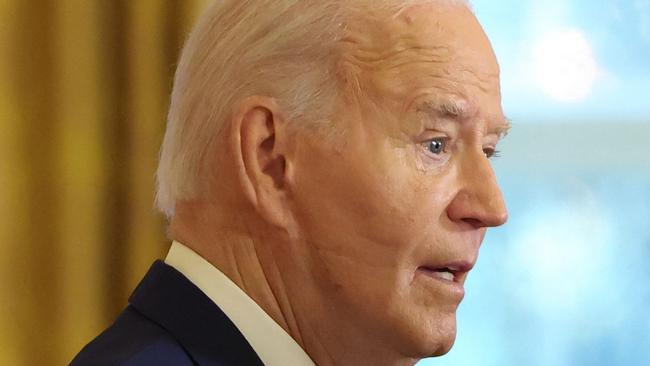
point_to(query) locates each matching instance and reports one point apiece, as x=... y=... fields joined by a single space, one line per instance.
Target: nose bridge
x=482 y=196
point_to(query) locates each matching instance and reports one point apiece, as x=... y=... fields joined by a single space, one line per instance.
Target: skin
x=334 y=236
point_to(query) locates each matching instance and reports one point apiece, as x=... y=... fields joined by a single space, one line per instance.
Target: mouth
x=448 y=276
x=452 y=272
x=443 y=274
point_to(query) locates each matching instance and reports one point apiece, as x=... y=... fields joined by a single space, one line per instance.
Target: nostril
x=476 y=223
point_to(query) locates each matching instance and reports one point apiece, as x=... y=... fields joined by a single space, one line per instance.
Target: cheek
x=365 y=215
x=411 y=205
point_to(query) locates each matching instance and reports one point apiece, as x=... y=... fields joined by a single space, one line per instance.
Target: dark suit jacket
x=169 y=321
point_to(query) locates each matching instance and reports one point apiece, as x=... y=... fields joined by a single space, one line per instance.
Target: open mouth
x=449 y=277
x=444 y=273
x=451 y=272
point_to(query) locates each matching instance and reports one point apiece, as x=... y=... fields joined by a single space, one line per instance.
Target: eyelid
x=429 y=135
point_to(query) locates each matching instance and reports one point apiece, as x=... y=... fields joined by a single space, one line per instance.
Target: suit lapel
x=171 y=300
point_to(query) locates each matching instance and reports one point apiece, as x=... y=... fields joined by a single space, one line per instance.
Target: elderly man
x=326 y=173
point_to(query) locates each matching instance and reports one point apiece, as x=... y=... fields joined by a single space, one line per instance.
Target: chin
x=443 y=348
x=439 y=340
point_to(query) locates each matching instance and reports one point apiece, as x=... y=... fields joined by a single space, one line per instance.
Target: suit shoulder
x=133 y=340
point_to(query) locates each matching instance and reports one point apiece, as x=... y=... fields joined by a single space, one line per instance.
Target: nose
x=479 y=201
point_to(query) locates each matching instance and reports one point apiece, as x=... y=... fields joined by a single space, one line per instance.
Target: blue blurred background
x=565 y=282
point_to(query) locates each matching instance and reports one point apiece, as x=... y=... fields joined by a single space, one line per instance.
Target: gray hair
x=279 y=48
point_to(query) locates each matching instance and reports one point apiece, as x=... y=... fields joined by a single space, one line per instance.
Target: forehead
x=437 y=25
x=435 y=48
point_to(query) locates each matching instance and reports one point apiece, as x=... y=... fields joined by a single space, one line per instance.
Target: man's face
x=393 y=206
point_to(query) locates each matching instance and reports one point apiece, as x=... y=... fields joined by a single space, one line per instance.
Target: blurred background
x=84 y=88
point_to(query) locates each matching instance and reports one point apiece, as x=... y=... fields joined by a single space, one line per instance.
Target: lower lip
x=456 y=289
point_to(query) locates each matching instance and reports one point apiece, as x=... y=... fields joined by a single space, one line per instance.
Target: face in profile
x=392 y=207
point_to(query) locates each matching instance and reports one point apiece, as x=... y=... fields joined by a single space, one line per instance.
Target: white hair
x=278 y=48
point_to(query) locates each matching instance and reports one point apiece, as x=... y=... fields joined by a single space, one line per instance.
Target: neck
x=276 y=276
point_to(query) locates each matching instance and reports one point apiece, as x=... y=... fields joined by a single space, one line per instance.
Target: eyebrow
x=461 y=110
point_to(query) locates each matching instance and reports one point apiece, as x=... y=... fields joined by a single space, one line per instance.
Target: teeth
x=445 y=275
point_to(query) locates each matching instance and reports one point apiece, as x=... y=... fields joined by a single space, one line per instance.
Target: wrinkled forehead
x=439 y=35
x=437 y=49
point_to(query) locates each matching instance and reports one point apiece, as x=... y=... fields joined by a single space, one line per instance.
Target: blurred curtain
x=84 y=88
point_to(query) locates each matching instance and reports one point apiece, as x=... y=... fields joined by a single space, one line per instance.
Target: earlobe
x=262 y=164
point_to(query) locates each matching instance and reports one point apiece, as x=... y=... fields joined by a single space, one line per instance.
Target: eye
x=491 y=153
x=436 y=146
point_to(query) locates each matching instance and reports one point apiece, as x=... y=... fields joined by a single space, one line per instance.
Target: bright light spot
x=564 y=65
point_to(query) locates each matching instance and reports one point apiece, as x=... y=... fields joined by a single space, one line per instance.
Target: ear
x=262 y=164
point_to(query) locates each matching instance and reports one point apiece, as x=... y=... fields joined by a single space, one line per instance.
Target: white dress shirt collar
x=272 y=343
